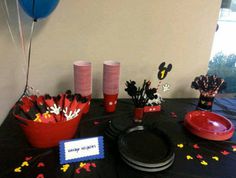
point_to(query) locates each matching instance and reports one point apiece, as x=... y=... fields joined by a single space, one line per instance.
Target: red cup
x=46 y=135
x=87 y=106
x=138 y=114
x=110 y=102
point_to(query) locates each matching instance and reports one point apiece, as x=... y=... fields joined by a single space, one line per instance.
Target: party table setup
x=74 y=135
x=160 y=146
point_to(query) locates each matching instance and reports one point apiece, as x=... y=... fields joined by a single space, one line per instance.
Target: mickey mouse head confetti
x=188 y=157
x=202 y=154
x=18 y=169
x=28 y=158
x=234 y=147
x=40 y=164
x=65 y=167
x=199 y=156
x=180 y=145
x=204 y=163
x=195 y=146
x=85 y=166
x=224 y=152
x=82 y=164
x=25 y=163
x=40 y=176
x=216 y=158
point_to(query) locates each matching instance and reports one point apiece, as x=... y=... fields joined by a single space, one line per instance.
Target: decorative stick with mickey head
x=208 y=85
x=163 y=71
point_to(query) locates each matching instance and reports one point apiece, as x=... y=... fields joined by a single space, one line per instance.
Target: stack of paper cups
x=83 y=79
x=111 y=75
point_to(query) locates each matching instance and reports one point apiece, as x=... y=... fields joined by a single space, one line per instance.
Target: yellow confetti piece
x=180 y=145
x=188 y=157
x=25 y=163
x=204 y=163
x=47 y=115
x=82 y=164
x=38 y=119
x=234 y=149
x=17 y=169
x=215 y=158
x=65 y=167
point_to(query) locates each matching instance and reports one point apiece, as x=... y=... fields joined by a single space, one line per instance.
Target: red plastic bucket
x=46 y=135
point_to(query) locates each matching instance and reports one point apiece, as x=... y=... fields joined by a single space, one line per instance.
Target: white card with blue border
x=84 y=149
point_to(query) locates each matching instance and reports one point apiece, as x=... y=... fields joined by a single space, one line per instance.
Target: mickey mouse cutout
x=163 y=71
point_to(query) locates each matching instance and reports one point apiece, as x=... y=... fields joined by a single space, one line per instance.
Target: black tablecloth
x=219 y=156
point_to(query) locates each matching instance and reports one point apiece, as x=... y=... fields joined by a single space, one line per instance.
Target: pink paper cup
x=111 y=63
x=83 y=78
x=111 y=76
x=110 y=102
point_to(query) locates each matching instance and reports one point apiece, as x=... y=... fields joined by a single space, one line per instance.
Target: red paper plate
x=209 y=125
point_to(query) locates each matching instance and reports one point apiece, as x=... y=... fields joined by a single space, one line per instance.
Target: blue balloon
x=38 y=8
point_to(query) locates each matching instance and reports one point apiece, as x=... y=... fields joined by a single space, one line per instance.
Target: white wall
x=140 y=34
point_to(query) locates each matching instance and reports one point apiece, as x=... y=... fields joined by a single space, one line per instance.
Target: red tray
x=209 y=125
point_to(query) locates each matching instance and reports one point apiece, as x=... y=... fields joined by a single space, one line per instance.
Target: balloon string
x=28 y=62
x=20 y=30
x=34 y=10
x=29 y=52
x=7 y=16
x=6 y=13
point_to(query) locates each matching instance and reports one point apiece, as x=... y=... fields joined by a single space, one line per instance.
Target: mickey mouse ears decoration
x=163 y=70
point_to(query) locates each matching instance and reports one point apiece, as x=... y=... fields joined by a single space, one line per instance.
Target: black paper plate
x=118 y=125
x=147 y=169
x=110 y=133
x=148 y=148
x=122 y=123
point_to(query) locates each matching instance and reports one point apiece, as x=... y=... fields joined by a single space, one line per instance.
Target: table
x=14 y=148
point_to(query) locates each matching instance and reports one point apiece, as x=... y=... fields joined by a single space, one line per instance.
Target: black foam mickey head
x=162 y=73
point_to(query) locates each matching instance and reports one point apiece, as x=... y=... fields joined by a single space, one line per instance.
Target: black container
x=205 y=102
